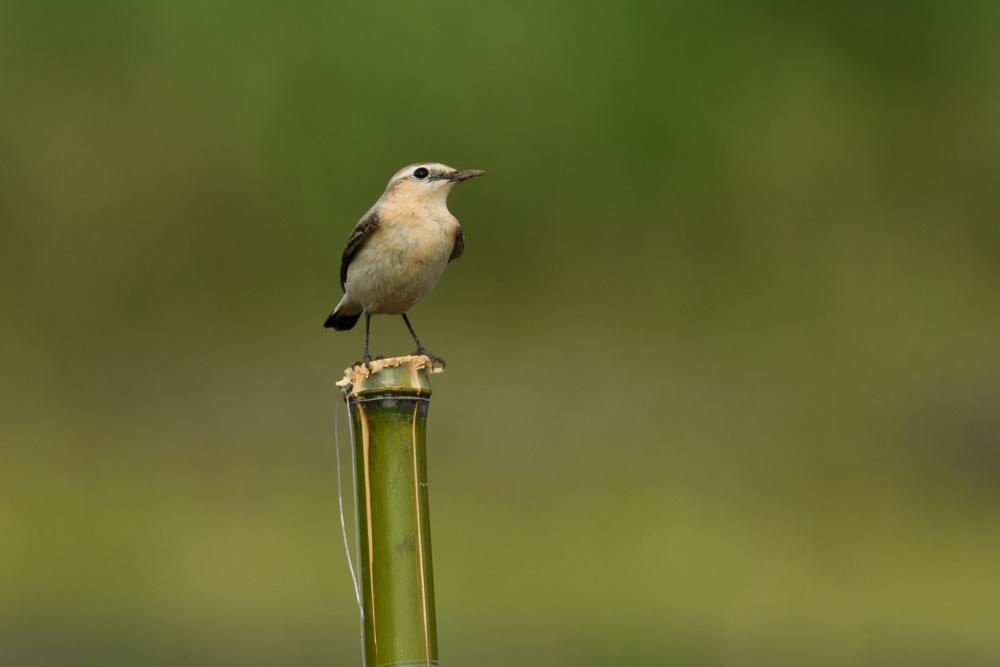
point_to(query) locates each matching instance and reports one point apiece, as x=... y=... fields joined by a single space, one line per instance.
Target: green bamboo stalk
x=388 y=411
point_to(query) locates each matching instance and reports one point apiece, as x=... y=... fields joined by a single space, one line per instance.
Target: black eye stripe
x=422 y=172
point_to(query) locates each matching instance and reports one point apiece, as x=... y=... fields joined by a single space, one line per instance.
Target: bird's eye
x=422 y=172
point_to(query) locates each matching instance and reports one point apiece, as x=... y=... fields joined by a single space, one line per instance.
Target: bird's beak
x=457 y=176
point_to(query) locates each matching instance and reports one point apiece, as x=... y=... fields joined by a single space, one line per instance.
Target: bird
x=398 y=250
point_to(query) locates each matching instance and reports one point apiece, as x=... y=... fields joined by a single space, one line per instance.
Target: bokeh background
x=724 y=347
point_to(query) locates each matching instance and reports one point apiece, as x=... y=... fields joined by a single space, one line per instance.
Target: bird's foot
x=366 y=361
x=421 y=352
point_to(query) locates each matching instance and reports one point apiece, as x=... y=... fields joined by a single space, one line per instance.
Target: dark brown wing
x=459 y=248
x=365 y=226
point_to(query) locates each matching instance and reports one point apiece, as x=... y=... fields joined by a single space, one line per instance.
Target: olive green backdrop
x=723 y=350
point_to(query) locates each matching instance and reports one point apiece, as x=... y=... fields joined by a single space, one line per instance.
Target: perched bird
x=399 y=249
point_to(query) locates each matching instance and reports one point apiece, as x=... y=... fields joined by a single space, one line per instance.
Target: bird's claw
x=421 y=352
x=366 y=361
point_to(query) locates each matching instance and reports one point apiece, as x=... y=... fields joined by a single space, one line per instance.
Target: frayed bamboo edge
x=356 y=375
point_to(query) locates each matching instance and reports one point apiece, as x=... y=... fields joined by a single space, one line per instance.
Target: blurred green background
x=724 y=346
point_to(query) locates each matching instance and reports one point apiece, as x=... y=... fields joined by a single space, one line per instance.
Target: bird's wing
x=362 y=230
x=459 y=247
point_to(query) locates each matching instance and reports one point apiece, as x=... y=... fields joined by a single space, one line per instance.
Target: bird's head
x=427 y=182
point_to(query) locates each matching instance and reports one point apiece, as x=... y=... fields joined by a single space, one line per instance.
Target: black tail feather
x=341 y=322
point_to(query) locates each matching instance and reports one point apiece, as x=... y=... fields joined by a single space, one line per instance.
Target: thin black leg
x=368 y=322
x=421 y=350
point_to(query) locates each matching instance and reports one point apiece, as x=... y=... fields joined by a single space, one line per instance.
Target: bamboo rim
x=359 y=378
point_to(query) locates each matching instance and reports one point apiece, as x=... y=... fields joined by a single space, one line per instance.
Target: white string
x=340 y=499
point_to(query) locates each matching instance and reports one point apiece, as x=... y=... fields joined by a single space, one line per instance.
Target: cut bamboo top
x=405 y=374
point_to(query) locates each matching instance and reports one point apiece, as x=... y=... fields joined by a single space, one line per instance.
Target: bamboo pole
x=388 y=411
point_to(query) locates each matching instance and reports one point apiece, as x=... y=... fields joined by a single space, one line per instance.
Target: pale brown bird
x=399 y=249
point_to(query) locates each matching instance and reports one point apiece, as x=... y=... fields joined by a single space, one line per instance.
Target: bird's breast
x=400 y=262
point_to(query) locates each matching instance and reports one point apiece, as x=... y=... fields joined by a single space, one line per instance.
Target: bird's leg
x=421 y=350
x=368 y=322
x=367 y=359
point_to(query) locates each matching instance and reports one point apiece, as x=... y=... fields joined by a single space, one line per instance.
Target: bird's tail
x=344 y=316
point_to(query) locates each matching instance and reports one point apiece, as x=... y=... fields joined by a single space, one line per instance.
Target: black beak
x=457 y=176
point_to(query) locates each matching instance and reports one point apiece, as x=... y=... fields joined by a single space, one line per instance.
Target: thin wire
x=357 y=519
x=340 y=500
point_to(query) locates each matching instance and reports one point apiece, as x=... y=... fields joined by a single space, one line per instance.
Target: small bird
x=399 y=249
